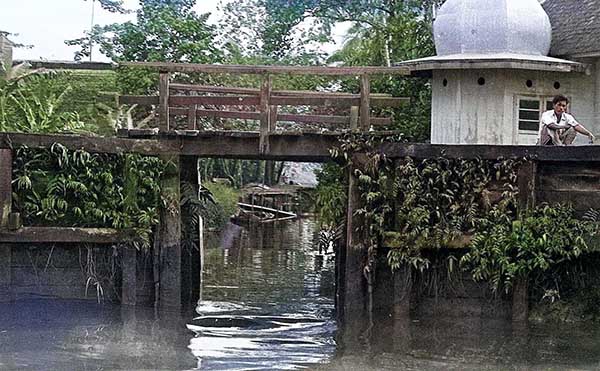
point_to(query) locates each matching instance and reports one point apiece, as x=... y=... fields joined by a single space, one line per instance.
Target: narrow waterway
x=268 y=305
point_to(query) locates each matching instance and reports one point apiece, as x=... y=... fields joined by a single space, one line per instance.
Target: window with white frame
x=530 y=111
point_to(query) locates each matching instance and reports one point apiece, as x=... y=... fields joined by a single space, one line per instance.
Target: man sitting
x=557 y=127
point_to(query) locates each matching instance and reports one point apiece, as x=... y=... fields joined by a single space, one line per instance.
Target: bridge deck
x=284 y=146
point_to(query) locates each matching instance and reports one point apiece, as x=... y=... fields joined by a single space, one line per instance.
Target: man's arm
x=581 y=129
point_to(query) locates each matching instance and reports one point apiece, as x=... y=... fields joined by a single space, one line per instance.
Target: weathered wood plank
x=322 y=119
x=365 y=103
x=244 y=115
x=520 y=300
x=65 y=234
x=5 y=266
x=354 y=114
x=581 y=200
x=5 y=186
x=170 y=237
x=215 y=89
x=142 y=100
x=393 y=102
x=163 y=101
x=186 y=100
x=90 y=144
x=54 y=65
x=570 y=182
x=291 y=100
x=265 y=113
x=285 y=93
x=292 y=146
x=192 y=117
x=129 y=275
x=354 y=295
x=527 y=182
x=245 y=69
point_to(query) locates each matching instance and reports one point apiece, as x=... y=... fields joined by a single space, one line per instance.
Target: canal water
x=268 y=305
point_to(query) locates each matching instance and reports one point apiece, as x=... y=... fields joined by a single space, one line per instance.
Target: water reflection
x=268 y=300
x=52 y=334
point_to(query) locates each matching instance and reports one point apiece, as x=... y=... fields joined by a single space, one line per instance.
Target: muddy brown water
x=268 y=305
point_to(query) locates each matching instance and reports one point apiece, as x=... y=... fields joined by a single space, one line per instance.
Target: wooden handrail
x=259 y=70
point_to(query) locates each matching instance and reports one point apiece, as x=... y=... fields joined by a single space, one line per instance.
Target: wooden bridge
x=180 y=137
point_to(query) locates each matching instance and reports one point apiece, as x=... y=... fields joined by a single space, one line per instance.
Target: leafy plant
x=81 y=189
x=506 y=248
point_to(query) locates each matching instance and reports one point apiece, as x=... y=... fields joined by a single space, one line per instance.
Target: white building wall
x=464 y=112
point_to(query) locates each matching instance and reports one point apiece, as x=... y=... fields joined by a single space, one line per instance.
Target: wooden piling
x=170 y=238
x=128 y=252
x=527 y=179
x=355 y=291
x=520 y=300
x=129 y=275
x=5 y=187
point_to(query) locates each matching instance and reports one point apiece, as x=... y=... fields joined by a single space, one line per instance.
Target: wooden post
x=520 y=300
x=163 y=102
x=527 y=182
x=265 y=114
x=354 y=110
x=365 y=104
x=5 y=210
x=129 y=273
x=170 y=238
x=5 y=186
x=128 y=252
x=354 y=296
x=192 y=125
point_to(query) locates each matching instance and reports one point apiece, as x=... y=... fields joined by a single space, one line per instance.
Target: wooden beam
x=259 y=70
x=129 y=275
x=90 y=144
x=292 y=146
x=308 y=100
x=365 y=103
x=163 y=98
x=393 y=102
x=265 y=113
x=216 y=89
x=354 y=295
x=527 y=182
x=62 y=65
x=65 y=234
x=192 y=117
x=170 y=237
x=284 y=93
x=141 y=100
x=354 y=113
x=5 y=186
x=245 y=115
x=186 y=100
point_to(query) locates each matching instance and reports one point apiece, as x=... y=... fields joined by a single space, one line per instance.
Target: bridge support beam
x=169 y=239
x=353 y=299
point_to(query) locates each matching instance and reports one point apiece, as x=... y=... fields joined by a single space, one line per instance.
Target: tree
x=166 y=30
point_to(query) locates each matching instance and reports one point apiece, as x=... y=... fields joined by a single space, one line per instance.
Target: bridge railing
x=175 y=100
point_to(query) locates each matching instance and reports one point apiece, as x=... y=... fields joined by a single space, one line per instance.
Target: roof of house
x=575 y=27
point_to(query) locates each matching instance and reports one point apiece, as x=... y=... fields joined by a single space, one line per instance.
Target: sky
x=46 y=24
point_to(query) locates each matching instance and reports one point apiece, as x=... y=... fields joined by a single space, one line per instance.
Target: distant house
x=5 y=49
x=499 y=63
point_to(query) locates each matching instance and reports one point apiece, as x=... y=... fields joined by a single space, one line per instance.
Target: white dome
x=492 y=26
